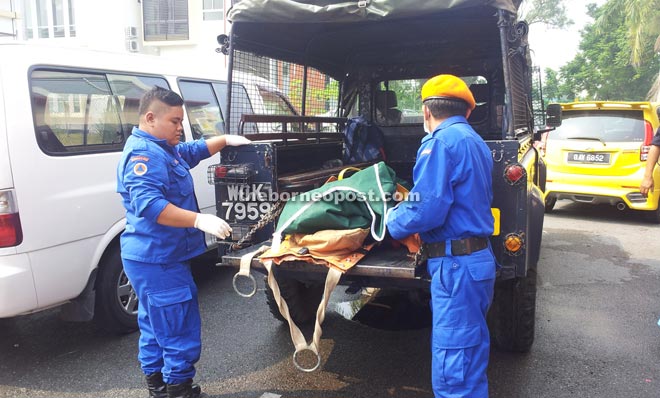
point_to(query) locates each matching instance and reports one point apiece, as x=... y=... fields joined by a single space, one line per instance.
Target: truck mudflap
x=382 y=263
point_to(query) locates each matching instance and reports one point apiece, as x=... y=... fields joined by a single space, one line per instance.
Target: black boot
x=156 y=385
x=184 y=390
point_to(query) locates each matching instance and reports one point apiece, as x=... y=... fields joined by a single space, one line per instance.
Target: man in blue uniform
x=164 y=230
x=452 y=182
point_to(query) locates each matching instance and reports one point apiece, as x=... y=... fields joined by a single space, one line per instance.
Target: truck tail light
x=513 y=243
x=11 y=233
x=220 y=172
x=514 y=173
x=646 y=146
x=230 y=173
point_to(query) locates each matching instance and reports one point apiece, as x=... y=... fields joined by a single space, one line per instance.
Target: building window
x=213 y=10
x=45 y=19
x=165 y=20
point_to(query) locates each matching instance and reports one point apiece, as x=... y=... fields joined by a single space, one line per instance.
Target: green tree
x=641 y=20
x=551 y=87
x=601 y=70
x=549 y=12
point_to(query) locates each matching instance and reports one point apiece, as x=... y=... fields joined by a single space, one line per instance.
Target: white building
x=184 y=30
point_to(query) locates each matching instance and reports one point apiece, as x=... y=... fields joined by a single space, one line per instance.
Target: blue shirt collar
x=445 y=123
x=160 y=142
x=143 y=134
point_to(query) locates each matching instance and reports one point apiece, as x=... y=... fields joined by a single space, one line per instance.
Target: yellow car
x=598 y=155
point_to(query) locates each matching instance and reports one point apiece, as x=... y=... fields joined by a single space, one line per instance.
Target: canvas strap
x=299 y=342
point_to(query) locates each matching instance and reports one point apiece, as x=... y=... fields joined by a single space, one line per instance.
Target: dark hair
x=157 y=93
x=442 y=108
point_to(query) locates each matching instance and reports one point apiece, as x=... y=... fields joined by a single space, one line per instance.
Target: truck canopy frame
x=392 y=39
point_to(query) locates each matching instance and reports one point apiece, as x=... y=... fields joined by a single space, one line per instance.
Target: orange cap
x=447 y=87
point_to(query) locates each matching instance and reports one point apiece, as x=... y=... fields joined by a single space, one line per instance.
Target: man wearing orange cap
x=452 y=179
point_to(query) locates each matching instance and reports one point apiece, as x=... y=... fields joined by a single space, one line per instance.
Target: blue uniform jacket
x=453 y=185
x=150 y=175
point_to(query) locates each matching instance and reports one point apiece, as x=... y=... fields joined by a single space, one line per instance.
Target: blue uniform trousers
x=168 y=317
x=461 y=292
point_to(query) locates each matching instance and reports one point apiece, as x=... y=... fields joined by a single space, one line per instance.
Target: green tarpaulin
x=275 y=11
x=359 y=201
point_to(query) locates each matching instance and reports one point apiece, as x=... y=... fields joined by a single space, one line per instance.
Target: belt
x=461 y=247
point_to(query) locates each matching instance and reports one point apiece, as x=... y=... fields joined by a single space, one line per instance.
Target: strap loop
x=244 y=270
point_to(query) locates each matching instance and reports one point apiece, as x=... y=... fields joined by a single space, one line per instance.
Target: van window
x=202 y=108
x=128 y=89
x=84 y=112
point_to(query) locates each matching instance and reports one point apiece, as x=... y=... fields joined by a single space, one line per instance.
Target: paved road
x=596 y=335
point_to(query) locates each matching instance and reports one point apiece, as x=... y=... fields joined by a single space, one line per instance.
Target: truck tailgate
x=379 y=263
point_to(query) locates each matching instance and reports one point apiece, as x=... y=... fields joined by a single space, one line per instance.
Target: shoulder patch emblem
x=140 y=169
x=426 y=151
x=138 y=158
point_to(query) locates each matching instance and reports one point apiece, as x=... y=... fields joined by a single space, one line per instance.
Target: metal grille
x=274 y=87
x=519 y=90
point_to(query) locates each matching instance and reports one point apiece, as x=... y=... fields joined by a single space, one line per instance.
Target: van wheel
x=116 y=304
x=550 y=204
x=511 y=317
x=302 y=298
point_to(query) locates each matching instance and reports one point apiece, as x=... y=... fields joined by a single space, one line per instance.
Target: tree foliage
x=641 y=19
x=549 y=12
x=601 y=70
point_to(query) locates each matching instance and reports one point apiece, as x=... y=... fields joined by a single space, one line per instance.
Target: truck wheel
x=512 y=314
x=550 y=204
x=302 y=299
x=116 y=304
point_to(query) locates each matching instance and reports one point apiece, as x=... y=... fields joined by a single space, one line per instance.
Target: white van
x=64 y=117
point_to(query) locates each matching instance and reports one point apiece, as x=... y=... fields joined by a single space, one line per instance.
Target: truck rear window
x=399 y=102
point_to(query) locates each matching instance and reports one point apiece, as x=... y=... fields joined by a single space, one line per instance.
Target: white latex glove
x=236 y=140
x=212 y=225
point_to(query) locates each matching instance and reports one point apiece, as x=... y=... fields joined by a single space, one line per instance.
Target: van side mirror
x=553 y=115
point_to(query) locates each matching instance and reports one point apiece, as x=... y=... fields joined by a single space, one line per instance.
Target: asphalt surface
x=596 y=334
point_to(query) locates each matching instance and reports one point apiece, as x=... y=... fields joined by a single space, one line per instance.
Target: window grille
x=165 y=20
x=213 y=10
x=47 y=19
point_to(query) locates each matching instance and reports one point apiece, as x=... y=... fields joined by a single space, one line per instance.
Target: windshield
x=601 y=125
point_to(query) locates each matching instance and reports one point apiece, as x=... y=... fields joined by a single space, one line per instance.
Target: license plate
x=245 y=202
x=588 y=157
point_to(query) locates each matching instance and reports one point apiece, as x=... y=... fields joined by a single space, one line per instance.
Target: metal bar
x=304 y=91
x=331 y=137
x=503 y=25
x=258 y=118
x=230 y=70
